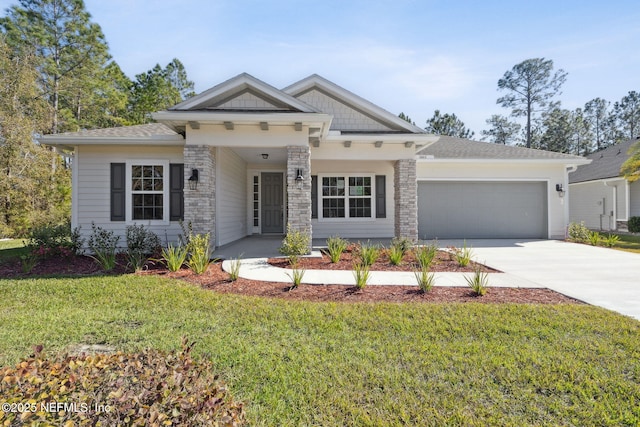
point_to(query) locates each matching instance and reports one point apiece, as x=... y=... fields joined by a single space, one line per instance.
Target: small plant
x=402 y=243
x=479 y=281
x=368 y=254
x=578 y=232
x=234 y=273
x=463 y=256
x=174 y=256
x=425 y=279
x=594 y=238
x=336 y=246
x=103 y=243
x=28 y=262
x=361 y=274
x=199 y=253
x=633 y=225
x=141 y=243
x=396 y=254
x=50 y=240
x=425 y=255
x=611 y=240
x=296 y=277
x=187 y=232
x=295 y=244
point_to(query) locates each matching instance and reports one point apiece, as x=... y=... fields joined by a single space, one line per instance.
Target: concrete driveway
x=599 y=276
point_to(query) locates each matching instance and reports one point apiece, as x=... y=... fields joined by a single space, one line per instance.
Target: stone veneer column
x=299 y=194
x=199 y=204
x=406 y=199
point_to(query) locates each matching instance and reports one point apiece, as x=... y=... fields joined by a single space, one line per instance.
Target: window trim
x=166 y=173
x=346 y=197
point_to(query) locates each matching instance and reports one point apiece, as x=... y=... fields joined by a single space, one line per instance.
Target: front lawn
x=12 y=249
x=629 y=243
x=301 y=363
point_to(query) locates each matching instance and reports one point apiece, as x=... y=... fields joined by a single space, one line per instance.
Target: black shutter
x=314 y=196
x=381 y=196
x=118 y=191
x=176 y=192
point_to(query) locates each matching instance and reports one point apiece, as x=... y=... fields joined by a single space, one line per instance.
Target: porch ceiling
x=253 y=155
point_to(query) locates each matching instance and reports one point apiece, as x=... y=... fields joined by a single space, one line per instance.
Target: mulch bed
x=443 y=262
x=217 y=280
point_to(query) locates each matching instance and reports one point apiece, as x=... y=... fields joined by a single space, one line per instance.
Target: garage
x=482 y=209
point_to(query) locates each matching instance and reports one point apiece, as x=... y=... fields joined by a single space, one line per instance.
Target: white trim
x=346 y=197
x=165 y=191
x=598 y=180
x=75 y=173
x=545 y=180
x=486 y=160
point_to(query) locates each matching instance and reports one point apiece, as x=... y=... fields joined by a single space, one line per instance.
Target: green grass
x=332 y=364
x=628 y=242
x=11 y=249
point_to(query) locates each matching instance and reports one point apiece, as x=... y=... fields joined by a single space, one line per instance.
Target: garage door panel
x=457 y=209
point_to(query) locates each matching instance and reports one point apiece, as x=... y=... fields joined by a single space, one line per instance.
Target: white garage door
x=482 y=210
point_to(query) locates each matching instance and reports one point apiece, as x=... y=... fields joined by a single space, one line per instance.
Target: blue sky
x=403 y=55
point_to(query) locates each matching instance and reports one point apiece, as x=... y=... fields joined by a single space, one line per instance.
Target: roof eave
x=569 y=162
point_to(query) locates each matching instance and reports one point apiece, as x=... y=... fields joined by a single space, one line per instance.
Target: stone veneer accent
x=299 y=199
x=200 y=204
x=406 y=199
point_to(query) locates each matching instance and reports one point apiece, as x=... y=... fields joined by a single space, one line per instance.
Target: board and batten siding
x=92 y=194
x=357 y=227
x=231 y=196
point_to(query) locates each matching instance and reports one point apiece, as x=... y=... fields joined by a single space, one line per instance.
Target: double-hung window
x=348 y=196
x=147 y=192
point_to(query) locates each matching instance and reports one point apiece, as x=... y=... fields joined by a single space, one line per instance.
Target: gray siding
x=231 y=196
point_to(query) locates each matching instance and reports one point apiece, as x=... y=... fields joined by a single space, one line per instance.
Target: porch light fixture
x=265 y=156
x=193 y=180
x=560 y=190
x=299 y=178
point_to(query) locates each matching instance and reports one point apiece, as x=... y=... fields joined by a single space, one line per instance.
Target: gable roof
x=605 y=163
x=314 y=83
x=451 y=148
x=264 y=95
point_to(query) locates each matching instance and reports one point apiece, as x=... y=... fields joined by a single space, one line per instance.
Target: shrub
x=145 y=388
x=611 y=240
x=402 y=243
x=425 y=255
x=140 y=244
x=28 y=262
x=361 y=274
x=368 y=254
x=396 y=254
x=174 y=256
x=425 y=279
x=594 y=238
x=103 y=243
x=49 y=240
x=479 y=281
x=199 y=253
x=296 y=277
x=633 y=225
x=295 y=244
x=578 y=232
x=235 y=269
x=336 y=246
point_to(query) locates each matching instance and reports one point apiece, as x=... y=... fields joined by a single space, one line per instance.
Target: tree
x=631 y=167
x=531 y=87
x=159 y=89
x=601 y=122
x=627 y=113
x=406 y=118
x=502 y=131
x=70 y=48
x=558 y=132
x=31 y=192
x=447 y=124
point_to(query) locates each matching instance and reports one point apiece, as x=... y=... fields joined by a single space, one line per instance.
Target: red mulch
x=215 y=279
x=443 y=262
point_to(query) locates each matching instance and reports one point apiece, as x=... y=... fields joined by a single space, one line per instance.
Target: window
x=147 y=192
x=347 y=197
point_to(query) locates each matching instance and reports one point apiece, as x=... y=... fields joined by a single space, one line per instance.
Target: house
x=246 y=158
x=600 y=195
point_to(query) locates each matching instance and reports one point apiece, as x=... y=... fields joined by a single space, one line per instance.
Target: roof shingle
x=606 y=163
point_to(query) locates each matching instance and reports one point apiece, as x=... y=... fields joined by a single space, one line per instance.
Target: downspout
x=614 y=212
x=567 y=196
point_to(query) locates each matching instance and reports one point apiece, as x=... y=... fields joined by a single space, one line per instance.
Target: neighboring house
x=312 y=155
x=600 y=195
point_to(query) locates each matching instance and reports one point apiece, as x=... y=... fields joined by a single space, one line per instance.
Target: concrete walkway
x=599 y=276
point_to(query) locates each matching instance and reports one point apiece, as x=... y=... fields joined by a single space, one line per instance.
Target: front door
x=272 y=202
